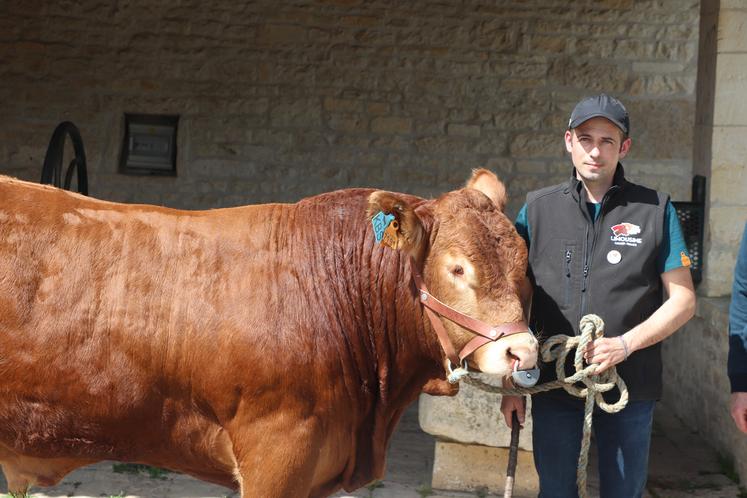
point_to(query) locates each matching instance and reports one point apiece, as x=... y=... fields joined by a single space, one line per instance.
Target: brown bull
x=268 y=348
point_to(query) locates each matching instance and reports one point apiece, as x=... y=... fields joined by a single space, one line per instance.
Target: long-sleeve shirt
x=737 y=364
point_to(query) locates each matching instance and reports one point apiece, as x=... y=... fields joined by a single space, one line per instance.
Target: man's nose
x=594 y=152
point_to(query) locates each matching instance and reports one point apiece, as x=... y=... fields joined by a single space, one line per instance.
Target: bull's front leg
x=277 y=455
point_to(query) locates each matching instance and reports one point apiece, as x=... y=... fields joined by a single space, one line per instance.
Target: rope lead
x=557 y=348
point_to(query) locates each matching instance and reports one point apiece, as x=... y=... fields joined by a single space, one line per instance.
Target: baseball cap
x=601 y=106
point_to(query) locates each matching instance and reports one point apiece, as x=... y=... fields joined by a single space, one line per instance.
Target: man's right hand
x=510 y=404
x=738 y=410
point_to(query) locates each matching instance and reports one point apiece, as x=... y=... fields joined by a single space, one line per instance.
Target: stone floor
x=682 y=465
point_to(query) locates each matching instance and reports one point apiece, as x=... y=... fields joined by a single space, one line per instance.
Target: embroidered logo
x=626 y=229
x=685 y=259
x=622 y=234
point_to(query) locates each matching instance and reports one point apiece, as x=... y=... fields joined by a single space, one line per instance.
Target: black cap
x=601 y=106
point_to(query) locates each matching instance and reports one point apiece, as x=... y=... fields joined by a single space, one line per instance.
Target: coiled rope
x=557 y=348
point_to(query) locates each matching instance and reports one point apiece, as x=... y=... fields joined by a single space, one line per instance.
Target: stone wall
x=727 y=207
x=283 y=99
x=696 y=387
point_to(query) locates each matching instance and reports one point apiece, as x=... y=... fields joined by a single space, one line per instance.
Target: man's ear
x=410 y=234
x=486 y=182
x=568 y=139
x=625 y=147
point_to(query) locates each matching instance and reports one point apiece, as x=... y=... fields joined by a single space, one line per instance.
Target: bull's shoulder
x=345 y=201
x=336 y=197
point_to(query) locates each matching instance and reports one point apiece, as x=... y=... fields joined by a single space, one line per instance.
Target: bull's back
x=107 y=311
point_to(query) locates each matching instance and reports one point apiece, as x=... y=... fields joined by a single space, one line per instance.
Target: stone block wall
x=696 y=387
x=727 y=209
x=283 y=99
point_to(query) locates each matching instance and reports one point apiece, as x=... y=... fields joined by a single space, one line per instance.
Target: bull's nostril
x=513 y=357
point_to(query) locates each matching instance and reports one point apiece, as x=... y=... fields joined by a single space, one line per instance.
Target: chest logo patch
x=623 y=235
x=614 y=257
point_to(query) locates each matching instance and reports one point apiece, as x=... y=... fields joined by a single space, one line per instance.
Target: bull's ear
x=410 y=234
x=486 y=182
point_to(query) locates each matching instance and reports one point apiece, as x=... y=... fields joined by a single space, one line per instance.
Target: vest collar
x=576 y=187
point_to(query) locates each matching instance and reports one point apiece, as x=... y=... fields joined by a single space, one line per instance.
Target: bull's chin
x=504 y=374
x=490 y=370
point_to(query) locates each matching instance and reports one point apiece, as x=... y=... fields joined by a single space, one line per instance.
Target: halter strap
x=485 y=332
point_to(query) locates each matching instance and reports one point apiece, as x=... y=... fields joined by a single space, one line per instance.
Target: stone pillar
x=696 y=387
x=472 y=442
x=728 y=159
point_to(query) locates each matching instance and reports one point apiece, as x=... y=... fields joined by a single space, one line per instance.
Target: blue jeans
x=622 y=439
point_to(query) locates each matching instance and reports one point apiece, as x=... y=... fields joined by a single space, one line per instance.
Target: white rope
x=557 y=348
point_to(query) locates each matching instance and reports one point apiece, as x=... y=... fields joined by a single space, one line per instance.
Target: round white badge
x=614 y=257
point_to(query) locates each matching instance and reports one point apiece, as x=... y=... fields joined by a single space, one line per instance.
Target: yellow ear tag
x=390 y=235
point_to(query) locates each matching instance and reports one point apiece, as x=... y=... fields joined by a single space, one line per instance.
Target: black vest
x=606 y=267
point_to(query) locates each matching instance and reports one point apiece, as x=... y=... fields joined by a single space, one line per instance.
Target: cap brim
x=582 y=119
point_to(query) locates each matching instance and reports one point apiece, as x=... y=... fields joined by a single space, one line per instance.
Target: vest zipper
x=589 y=256
x=587 y=251
x=568 y=291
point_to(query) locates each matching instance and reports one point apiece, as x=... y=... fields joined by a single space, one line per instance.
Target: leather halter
x=485 y=333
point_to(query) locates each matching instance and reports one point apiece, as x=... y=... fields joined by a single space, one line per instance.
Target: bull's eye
x=458 y=270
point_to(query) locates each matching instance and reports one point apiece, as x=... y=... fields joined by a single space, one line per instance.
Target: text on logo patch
x=622 y=234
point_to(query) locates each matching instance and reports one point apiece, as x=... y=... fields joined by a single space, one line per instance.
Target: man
x=601 y=244
x=737 y=365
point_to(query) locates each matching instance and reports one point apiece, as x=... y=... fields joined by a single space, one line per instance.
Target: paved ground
x=682 y=466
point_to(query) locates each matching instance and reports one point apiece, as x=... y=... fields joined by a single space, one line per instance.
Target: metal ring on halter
x=524 y=378
x=456 y=374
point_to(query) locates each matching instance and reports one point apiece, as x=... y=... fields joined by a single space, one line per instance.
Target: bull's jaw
x=498 y=358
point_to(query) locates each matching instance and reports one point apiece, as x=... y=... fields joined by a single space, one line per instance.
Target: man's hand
x=738 y=410
x=510 y=404
x=606 y=352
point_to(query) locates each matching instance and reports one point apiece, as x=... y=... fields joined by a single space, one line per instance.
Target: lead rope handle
x=557 y=348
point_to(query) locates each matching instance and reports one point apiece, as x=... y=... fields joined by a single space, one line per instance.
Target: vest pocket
x=568 y=258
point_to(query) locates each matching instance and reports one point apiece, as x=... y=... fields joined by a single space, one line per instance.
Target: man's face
x=596 y=146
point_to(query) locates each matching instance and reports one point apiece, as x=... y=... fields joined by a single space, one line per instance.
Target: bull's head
x=473 y=260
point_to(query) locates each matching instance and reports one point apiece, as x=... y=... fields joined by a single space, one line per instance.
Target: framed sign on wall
x=149 y=145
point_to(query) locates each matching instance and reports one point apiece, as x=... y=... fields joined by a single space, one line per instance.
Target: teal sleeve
x=673 y=251
x=522 y=224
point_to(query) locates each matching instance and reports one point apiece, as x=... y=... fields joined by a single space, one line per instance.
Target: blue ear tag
x=380 y=223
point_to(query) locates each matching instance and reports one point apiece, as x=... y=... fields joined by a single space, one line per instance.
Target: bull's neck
x=379 y=318
x=404 y=347
x=369 y=299
x=399 y=358
x=367 y=325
